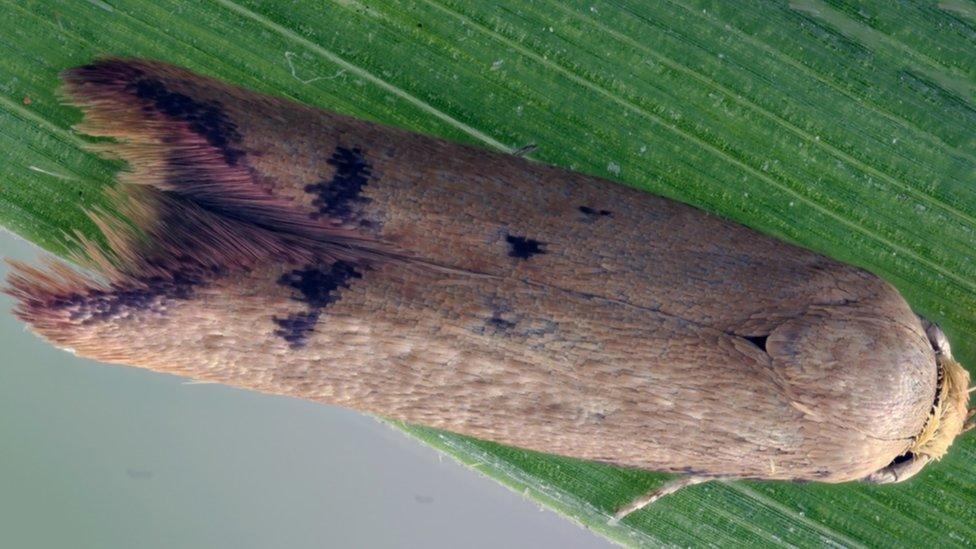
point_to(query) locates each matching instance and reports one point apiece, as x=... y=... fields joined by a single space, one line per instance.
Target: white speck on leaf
x=613 y=168
x=52 y=174
x=291 y=67
x=102 y=5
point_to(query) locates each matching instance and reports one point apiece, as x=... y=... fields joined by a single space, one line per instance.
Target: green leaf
x=845 y=127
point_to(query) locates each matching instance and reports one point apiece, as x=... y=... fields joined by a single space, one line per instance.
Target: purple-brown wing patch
x=317 y=286
x=340 y=197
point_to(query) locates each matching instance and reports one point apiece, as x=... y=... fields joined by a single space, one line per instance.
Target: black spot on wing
x=340 y=196
x=508 y=322
x=500 y=324
x=758 y=341
x=523 y=248
x=295 y=327
x=317 y=286
x=591 y=212
x=205 y=119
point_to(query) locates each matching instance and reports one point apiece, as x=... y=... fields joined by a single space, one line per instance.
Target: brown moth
x=284 y=249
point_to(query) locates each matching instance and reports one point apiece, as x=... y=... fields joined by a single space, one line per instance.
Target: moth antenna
x=655 y=494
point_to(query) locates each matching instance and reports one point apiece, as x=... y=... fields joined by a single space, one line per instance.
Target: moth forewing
x=295 y=251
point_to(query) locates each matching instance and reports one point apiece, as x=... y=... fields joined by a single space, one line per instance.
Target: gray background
x=93 y=455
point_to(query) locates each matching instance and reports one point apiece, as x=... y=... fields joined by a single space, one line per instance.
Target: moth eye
x=907 y=456
x=937 y=338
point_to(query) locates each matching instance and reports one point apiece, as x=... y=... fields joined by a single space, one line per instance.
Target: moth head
x=948 y=418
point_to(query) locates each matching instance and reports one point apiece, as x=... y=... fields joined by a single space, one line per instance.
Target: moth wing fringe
x=183 y=204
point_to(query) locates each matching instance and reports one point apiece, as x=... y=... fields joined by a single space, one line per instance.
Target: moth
x=280 y=248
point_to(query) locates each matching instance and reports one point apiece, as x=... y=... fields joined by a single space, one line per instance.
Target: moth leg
x=525 y=149
x=651 y=496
